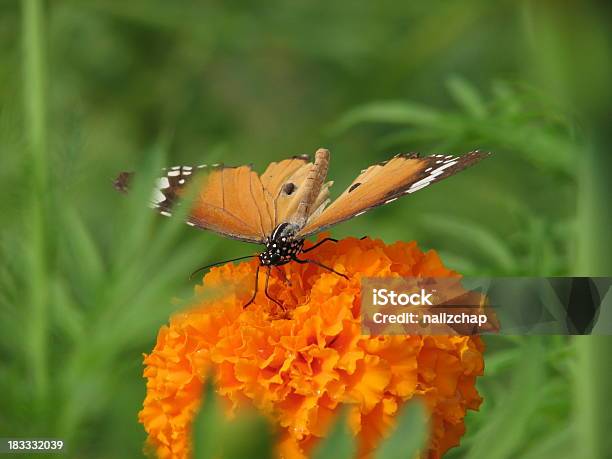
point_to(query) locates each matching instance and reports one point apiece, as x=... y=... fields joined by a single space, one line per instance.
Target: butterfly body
x=289 y=201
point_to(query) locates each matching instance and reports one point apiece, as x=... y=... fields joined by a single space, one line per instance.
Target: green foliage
x=88 y=276
x=339 y=443
x=409 y=436
x=248 y=435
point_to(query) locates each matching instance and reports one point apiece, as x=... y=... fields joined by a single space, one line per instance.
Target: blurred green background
x=88 y=276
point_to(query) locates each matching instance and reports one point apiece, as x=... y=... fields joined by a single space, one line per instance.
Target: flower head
x=301 y=366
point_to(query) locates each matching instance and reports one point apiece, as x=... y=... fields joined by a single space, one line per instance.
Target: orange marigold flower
x=299 y=367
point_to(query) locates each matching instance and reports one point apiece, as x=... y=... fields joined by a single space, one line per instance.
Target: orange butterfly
x=288 y=202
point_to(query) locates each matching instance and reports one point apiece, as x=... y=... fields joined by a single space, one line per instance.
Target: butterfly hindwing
x=385 y=182
x=285 y=185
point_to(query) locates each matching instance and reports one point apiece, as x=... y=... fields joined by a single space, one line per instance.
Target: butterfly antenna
x=219 y=263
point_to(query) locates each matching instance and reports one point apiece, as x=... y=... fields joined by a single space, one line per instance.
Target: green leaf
x=68 y=316
x=558 y=444
x=249 y=435
x=506 y=429
x=214 y=437
x=393 y=112
x=208 y=426
x=409 y=436
x=83 y=250
x=471 y=235
x=467 y=97
x=339 y=444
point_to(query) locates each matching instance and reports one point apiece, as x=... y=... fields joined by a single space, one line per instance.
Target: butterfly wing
x=385 y=182
x=229 y=200
x=286 y=185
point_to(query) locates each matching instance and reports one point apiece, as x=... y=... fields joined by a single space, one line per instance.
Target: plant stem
x=593 y=372
x=35 y=127
x=552 y=33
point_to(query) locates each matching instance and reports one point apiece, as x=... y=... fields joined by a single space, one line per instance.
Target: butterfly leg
x=266 y=290
x=319 y=243
x=325 y=240
x=256 y=285
x=315 y=262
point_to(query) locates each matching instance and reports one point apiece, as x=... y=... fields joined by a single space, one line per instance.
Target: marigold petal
x=300 y=366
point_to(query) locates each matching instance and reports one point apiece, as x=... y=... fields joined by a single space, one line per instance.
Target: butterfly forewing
x=169 y=188
x=383 y=183
x=229 y=200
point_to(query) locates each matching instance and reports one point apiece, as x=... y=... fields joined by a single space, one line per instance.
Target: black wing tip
x=483 y=154
x=122 y=181
x=409 y=155
x=415 y=155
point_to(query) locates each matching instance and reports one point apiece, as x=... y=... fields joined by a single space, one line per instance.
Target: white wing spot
x=201 y=166
x=445 y=166
x=190 y=223
x=439 y=161
x=187 y=168
x=360 y=213
x=428 y=169
x=164 y=213
x=413 y=188
x=425 y=181
x=163 y=183
x=181 y=181
x=158 y=196
x=186 y=172
x=176 y=168
x=174 y=173
x=390 y=200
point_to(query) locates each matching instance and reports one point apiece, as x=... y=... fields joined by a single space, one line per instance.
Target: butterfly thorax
x=282 y=246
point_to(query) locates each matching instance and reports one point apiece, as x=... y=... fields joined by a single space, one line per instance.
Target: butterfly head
x=282 y=246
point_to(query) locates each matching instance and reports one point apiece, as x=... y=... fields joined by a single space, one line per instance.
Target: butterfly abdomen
x=312 y=187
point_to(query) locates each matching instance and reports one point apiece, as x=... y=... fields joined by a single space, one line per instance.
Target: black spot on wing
x=289 y=188
x=353 y=187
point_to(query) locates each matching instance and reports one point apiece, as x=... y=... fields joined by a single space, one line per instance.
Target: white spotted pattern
x=163 y=183
x=449 y=161
x=158 y=197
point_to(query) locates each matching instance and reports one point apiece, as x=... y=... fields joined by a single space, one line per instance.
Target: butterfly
x=290 y=201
